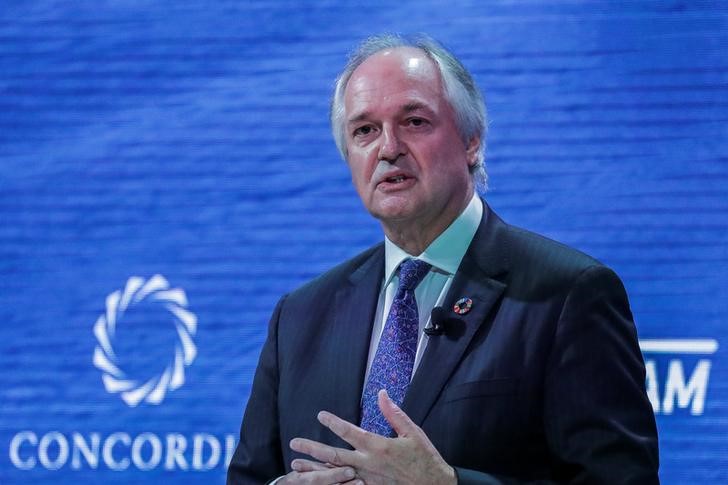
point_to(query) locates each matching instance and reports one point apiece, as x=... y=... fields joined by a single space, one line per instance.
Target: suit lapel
x=475 y=279
x=356 y=302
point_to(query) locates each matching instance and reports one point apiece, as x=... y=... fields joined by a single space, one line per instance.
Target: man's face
x=408 y=161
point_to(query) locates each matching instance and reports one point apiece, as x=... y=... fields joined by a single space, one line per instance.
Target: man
x=528 y=368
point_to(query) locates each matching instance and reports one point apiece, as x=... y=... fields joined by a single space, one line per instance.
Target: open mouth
x=395 y=179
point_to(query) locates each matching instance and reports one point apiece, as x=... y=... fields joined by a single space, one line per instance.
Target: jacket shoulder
x=528 y=247
x=542 y=264
x=331 y=280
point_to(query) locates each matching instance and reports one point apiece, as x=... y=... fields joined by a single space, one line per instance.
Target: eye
x=416 y=122
x=363 y=131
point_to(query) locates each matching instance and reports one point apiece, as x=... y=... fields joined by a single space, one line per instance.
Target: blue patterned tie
x=392 y=365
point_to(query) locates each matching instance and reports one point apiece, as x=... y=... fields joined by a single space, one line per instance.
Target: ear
x=471 y=151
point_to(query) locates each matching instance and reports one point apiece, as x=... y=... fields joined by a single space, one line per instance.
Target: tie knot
x=411 y=273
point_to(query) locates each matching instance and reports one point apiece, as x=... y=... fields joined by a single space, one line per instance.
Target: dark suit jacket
x=543 y=380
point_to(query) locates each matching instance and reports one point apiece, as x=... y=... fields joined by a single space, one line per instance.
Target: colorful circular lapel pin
x=463 y=305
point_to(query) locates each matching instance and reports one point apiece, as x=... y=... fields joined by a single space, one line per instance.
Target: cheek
x=361 y=166
x=451 y=160
x=358 y=176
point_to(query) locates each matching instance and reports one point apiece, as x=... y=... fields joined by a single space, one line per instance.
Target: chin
x=392 y=214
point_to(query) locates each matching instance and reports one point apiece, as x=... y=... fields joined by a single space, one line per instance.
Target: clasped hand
x=408 y=458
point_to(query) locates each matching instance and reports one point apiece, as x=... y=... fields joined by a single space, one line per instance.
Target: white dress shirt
x=444 y=254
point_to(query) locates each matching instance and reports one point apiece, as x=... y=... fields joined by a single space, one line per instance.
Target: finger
x=302 y=465
x=352 y=434
x=329 y=476
x=400 y=422
x=322 y=452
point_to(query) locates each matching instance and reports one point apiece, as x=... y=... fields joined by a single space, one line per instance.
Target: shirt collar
x=447 y=250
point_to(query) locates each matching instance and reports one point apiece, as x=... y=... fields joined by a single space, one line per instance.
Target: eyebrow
x=414 y=106
x=360 y=117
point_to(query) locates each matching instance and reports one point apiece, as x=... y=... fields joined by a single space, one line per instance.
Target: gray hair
x=460 y=90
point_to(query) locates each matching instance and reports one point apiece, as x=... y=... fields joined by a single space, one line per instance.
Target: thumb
x=397 y=419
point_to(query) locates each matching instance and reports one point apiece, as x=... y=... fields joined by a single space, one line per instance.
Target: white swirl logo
x=173 y=376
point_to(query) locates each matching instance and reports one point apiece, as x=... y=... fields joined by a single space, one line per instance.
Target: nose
x=391 y=147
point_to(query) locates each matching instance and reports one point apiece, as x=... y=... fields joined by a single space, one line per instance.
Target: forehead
x=392 y=77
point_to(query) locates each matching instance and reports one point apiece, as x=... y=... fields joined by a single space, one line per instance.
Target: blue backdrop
x=166 y=173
